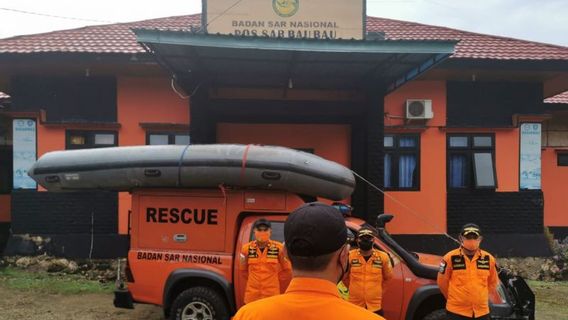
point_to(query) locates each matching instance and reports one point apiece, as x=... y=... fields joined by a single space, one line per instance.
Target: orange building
x=446 y=126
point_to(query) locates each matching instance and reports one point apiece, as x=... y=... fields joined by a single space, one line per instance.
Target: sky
x=537 y=20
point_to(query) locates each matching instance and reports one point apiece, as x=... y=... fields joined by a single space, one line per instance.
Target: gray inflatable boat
x=193 y=166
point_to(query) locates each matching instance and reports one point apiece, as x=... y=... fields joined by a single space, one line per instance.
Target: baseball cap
x=314 y=229
x=262 y=222
x=365 y=231
x=470 y=228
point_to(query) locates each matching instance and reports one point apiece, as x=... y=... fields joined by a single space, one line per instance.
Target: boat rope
x=410 y=210
x=244 y=165
x=179 y=165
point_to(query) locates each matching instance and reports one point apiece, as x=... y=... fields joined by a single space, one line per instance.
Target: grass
x=551 y=299
x=48 y=283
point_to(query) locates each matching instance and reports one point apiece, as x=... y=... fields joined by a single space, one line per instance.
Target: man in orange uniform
x=316 y=237
x=466 y=277
x=264 y=263
x=370 y=268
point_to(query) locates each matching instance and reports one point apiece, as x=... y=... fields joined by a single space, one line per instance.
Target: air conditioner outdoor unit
x=419 y=109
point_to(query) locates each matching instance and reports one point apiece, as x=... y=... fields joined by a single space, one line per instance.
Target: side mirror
x=382 y=220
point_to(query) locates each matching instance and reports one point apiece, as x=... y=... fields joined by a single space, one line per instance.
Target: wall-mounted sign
x=313 y=19
x=530 y=165
x=24 y=141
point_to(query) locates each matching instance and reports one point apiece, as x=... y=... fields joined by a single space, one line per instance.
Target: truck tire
x=199 y=303
x=439 y=314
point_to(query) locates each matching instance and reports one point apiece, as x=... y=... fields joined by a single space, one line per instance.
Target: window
x=163 y=138
x=471 y=161
x=563 y=159
x=90 y=139
x=402 y=162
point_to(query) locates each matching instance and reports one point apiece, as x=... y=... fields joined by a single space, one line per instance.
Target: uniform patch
x=252 y=253
x=355 y=263
x=443 y=266
x=483 y=263
x=273 y=253
x=458 y=263
x=377 y=263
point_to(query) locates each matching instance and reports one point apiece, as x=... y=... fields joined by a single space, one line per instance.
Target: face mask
x=262 y=236
x=345 y=270
x=366 y=244
x=471 y=244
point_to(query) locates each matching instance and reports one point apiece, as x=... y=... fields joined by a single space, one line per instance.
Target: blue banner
x=530 y=166
x=24 y=139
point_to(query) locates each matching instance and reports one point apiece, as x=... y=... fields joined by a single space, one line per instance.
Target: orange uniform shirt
x=264 y=269
x=366 y=278
x=466 y=283
x=305 y=299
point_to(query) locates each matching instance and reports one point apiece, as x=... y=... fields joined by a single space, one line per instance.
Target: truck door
x=393 y=290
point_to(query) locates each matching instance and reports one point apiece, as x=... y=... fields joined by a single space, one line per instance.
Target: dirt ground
x=21 y=304
x=15 y=304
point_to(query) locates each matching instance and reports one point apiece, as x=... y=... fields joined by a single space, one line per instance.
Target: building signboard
x=24 y=144
x=530 y=165
x=305 y=19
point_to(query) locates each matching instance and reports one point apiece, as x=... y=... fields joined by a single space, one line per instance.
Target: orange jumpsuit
x=366 y=279
x=264 y=269
x=305 y=299
x=466 y=283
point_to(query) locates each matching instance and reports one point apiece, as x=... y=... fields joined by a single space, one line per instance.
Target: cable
x=176 y=91
x=179 y=165
x=54 y=16
x=413 y=212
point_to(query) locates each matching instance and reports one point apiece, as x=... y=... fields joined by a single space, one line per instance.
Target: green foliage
x=49 y=283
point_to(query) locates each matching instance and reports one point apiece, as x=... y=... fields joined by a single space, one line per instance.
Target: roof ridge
x=470 y=32
x=118 y=38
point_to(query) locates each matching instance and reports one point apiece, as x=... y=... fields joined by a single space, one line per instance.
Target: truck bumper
x=123 y=299
x=520 y=297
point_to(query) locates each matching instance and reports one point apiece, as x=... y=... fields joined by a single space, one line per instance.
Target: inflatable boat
x=173 y=166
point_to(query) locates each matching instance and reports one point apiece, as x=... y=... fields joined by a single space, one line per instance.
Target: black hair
x=316 y=263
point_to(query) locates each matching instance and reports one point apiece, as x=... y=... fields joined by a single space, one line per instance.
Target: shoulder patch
x=355 y=263
x=443 y=266
x=483 y=263
x=458 y=263
x=378 y=263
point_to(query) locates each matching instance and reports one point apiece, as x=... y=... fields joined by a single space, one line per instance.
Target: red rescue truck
x=184 y=256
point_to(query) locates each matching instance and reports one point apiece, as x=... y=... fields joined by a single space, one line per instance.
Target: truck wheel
x=439 y=314
x=199 y=303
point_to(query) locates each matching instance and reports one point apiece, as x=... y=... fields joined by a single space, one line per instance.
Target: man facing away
x=316 y=242
x=263 y=263
x=370 y=268
x=466 y=277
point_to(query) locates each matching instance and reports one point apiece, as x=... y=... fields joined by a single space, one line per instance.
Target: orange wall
x=5 y=208
x=507 y=150
x=330 y=141
x=142 y=100
x=147 y=100
x=395 y=103
x=554 y=179
x=424 y=211
x=49 y=139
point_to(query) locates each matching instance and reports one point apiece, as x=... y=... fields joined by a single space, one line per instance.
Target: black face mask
x=366 y=244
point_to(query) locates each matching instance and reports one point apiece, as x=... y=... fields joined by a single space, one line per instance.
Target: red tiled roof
x=118 y=38
x=559 y=98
